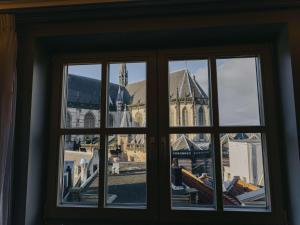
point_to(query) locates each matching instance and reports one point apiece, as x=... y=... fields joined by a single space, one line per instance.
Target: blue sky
x=87 y=70
x=136 y=71
x=192 y=65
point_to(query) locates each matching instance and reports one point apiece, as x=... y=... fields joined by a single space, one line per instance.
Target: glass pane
x=238 y=91
x=189 y=98
x=243 y=171
x=81 y=96
x=126 y=171
x=80 y=170
x=192 y=171
x=127 y=95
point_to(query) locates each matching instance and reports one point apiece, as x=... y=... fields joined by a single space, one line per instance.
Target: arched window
x=201 y=120
x=68 y=120
x=184 y=117
x=89 y=120
x=138 y=119
x=110 y=120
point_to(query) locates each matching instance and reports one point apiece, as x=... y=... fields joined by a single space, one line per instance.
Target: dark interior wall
x=163 y=39
x=33 y=90
x=31 y=140
x=290 y=147
x=23 y=110
x=38 y=139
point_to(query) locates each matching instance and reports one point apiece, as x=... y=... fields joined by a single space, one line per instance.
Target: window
x=193 y=177
x=111 y=120
x=201 y=116
x=185 y=117
x=186 y=137
x=89 y=120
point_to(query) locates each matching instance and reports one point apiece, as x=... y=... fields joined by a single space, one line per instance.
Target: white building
x=243 y=158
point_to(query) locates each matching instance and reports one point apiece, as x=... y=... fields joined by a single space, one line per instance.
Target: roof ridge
x=187 y=73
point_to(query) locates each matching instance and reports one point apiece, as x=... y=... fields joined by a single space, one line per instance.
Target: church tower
x=123 y=75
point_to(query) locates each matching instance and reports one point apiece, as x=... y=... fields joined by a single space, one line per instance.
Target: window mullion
x=216 y=138
x=103 y=112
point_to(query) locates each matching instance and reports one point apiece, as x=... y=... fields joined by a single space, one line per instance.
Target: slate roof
x=185 y=144
x=251 y=196
x=138 y=139
x=128 y=186
x=244 y=137
x=137 y=92
x=84 y=92
x=181 y=81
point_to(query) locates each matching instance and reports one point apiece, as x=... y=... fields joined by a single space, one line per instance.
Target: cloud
x=202 y=78
x=237 y=91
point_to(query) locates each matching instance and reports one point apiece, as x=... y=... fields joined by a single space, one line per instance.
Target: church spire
x=123 y=75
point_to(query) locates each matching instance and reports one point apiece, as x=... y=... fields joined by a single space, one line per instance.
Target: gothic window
x=68 y=120
x=201 y=119
x=89 y=120
x=184 y=117
x=111 y=120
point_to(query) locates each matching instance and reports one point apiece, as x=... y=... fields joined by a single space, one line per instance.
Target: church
x=189 y=106
x=127 y=101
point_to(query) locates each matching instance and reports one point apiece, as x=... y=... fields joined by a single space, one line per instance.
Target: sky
x=87 y=70
x=237 y=84
x=136 y=71
x=237 y=91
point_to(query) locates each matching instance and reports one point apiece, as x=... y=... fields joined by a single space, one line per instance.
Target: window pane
x=126 y=171
x=238 y=92
x=127 y=95
x=80 y=170
x=243 y=171
x=189 y=98
x=192 y=171
x=81 y=96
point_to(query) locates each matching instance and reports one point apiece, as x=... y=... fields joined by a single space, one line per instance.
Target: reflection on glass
x=243 y=171
x=126 y=171
x=127 y=95
x=238 y=92
x=81 y=96
x=192 y=171
x=189 y=93
x=80 y=170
